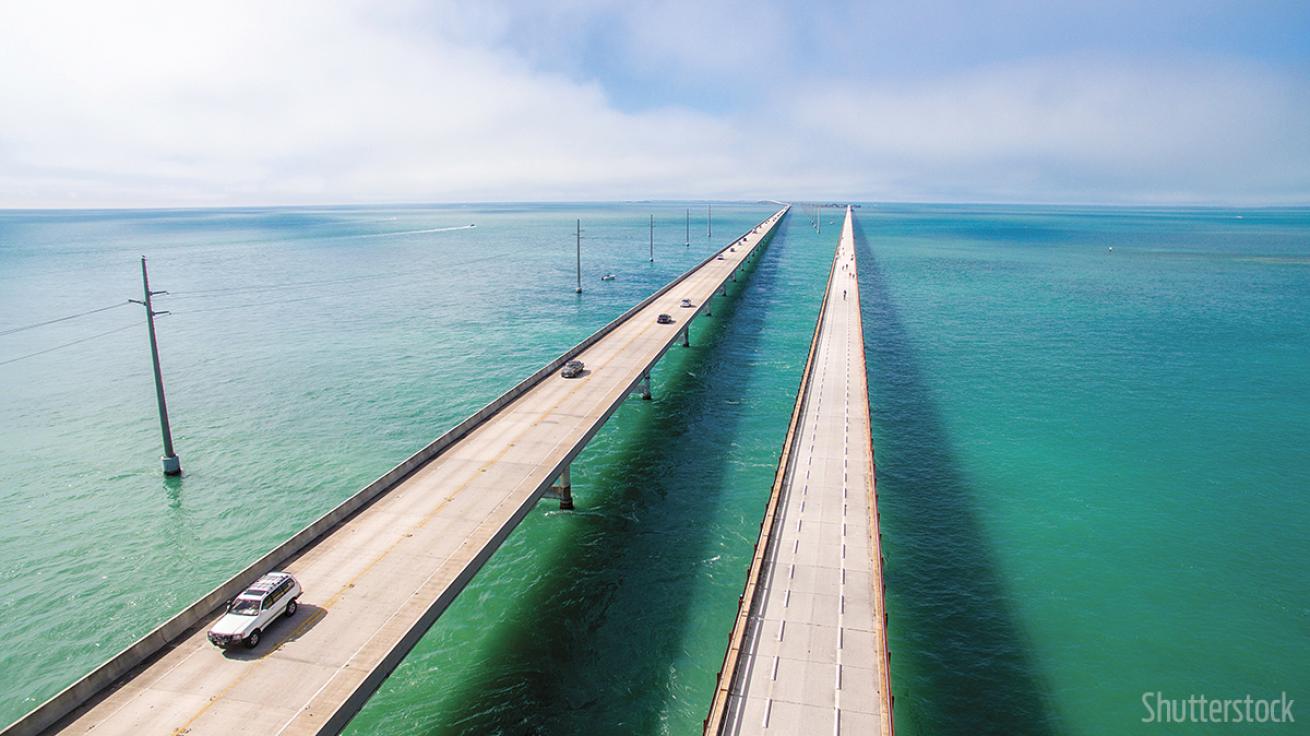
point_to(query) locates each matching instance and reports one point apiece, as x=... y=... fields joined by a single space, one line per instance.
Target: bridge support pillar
x=686 y=336
x=563 y=489
x=642 y=386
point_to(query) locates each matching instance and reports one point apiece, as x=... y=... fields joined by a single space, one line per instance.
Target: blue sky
x=213 y=103
x=864 y=41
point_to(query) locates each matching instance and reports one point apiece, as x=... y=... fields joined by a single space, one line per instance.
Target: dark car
x=664 y=319
x=572 y=369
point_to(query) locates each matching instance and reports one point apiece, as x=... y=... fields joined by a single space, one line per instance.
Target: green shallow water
x=1090 y=463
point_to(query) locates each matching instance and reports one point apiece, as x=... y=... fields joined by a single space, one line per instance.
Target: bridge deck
x=808 y=655
x=375 y=583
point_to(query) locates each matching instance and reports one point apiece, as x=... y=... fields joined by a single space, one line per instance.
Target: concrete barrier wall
x=79 y=693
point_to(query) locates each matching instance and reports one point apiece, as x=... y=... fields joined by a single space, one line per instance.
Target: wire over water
x=241 y=290
x=207 y=293
x=214 y=293
x=68 y=344
x=34 y=325
x=247 y=305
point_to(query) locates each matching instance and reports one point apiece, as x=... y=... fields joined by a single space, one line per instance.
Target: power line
x=254 y=304
x=220 y=292
x=206 y=293
x=34 y=325
x=216 y=293
x=67 y=344
x=241 y=291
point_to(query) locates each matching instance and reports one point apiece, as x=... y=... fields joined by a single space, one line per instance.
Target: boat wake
x=410 y=232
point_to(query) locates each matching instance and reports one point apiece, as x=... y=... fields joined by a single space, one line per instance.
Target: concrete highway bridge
x=808 y=652
x=379 y=569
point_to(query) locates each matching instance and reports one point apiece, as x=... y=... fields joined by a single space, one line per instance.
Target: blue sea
x=1091 y=429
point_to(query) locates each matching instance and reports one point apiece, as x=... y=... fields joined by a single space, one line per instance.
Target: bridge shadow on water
x=960 y=663
x=590 y=643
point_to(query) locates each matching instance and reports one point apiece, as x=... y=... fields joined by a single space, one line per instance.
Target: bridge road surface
x=809 y=655
x=368 y=583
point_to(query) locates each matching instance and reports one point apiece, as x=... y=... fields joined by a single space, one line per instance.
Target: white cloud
x=168 y=103
x=1085 y=128
x=285 y=102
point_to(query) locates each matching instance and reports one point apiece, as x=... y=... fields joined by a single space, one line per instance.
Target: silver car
x=268 y=599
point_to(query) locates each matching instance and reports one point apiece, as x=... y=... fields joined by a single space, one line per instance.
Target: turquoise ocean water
x=1091 y=462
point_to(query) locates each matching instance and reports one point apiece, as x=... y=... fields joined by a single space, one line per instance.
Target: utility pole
x=652 y=238
x=709 y=220
x=688 y=243
x=579 y=291
x=172 y=465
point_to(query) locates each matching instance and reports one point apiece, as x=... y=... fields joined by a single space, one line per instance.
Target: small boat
x=607 y=277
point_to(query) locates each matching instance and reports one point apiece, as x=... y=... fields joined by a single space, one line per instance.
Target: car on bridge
x=268 y=599
x=664 y=319
x=572 y=369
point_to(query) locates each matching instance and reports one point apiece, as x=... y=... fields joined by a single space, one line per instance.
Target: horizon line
x=719 y=200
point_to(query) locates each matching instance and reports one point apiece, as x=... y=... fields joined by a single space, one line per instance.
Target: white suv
x=261 y=604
